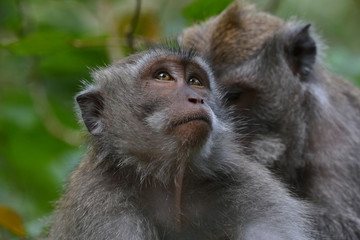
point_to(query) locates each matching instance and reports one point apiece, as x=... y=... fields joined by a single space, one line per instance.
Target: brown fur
x=303 y=123
x=239 y=25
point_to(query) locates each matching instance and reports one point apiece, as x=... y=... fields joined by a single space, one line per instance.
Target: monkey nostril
x=195 y=100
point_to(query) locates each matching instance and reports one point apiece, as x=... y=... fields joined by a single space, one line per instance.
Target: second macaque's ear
x=231 y=14
x=300 y=50
x=91 y=104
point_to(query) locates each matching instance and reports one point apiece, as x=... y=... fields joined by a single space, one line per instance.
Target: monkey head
x=160 y=96
x=233 y=36
x=270 y=71
x=280 y=72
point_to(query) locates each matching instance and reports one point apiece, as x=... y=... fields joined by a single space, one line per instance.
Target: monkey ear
x=300 y=49
x=91 y=104
x=231 y=14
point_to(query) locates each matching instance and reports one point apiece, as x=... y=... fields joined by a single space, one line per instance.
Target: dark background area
x=48 y=47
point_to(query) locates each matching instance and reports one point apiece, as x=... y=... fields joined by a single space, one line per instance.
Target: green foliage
x=42 y=61
x=48 y=47
x=202 y=9
x=40 y=43
x=345 y=63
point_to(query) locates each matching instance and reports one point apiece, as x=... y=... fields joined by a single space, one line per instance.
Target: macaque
x=163 y=163
x=298 y=119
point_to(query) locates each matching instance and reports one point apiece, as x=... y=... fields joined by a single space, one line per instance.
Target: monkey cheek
x=194 y=133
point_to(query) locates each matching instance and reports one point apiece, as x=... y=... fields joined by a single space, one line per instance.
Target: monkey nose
x=196 y=100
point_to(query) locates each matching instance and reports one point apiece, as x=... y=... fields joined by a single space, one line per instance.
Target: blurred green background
x=48 y=47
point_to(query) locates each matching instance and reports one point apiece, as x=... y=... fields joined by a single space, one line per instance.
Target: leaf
x=40 y=43
x=11 y=221
x=203 y=9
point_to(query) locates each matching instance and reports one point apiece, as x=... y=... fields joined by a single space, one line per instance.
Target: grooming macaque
x=163 y=164
x=299 y=120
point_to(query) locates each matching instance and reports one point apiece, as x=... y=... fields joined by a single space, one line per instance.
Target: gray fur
x=120 y=189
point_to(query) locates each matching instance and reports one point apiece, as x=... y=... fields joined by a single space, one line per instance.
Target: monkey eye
x=194 y=81
x=164 y=76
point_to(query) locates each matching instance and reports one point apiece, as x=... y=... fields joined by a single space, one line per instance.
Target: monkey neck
x=161 y=201
x=178 y=184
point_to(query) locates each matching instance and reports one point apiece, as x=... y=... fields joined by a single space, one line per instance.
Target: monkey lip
x=196 y=117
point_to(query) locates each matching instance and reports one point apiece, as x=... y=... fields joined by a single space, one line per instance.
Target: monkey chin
x=193 y=133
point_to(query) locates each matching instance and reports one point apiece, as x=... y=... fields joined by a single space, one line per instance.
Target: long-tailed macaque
x=300 y=121
x=162 y=162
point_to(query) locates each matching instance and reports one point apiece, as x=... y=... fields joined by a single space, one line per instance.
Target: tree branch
x=134 y=23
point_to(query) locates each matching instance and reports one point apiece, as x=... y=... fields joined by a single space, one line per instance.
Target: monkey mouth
x=196 y=117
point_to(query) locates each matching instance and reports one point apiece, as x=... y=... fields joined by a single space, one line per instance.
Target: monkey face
x=176 y=99
x=164 y=98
